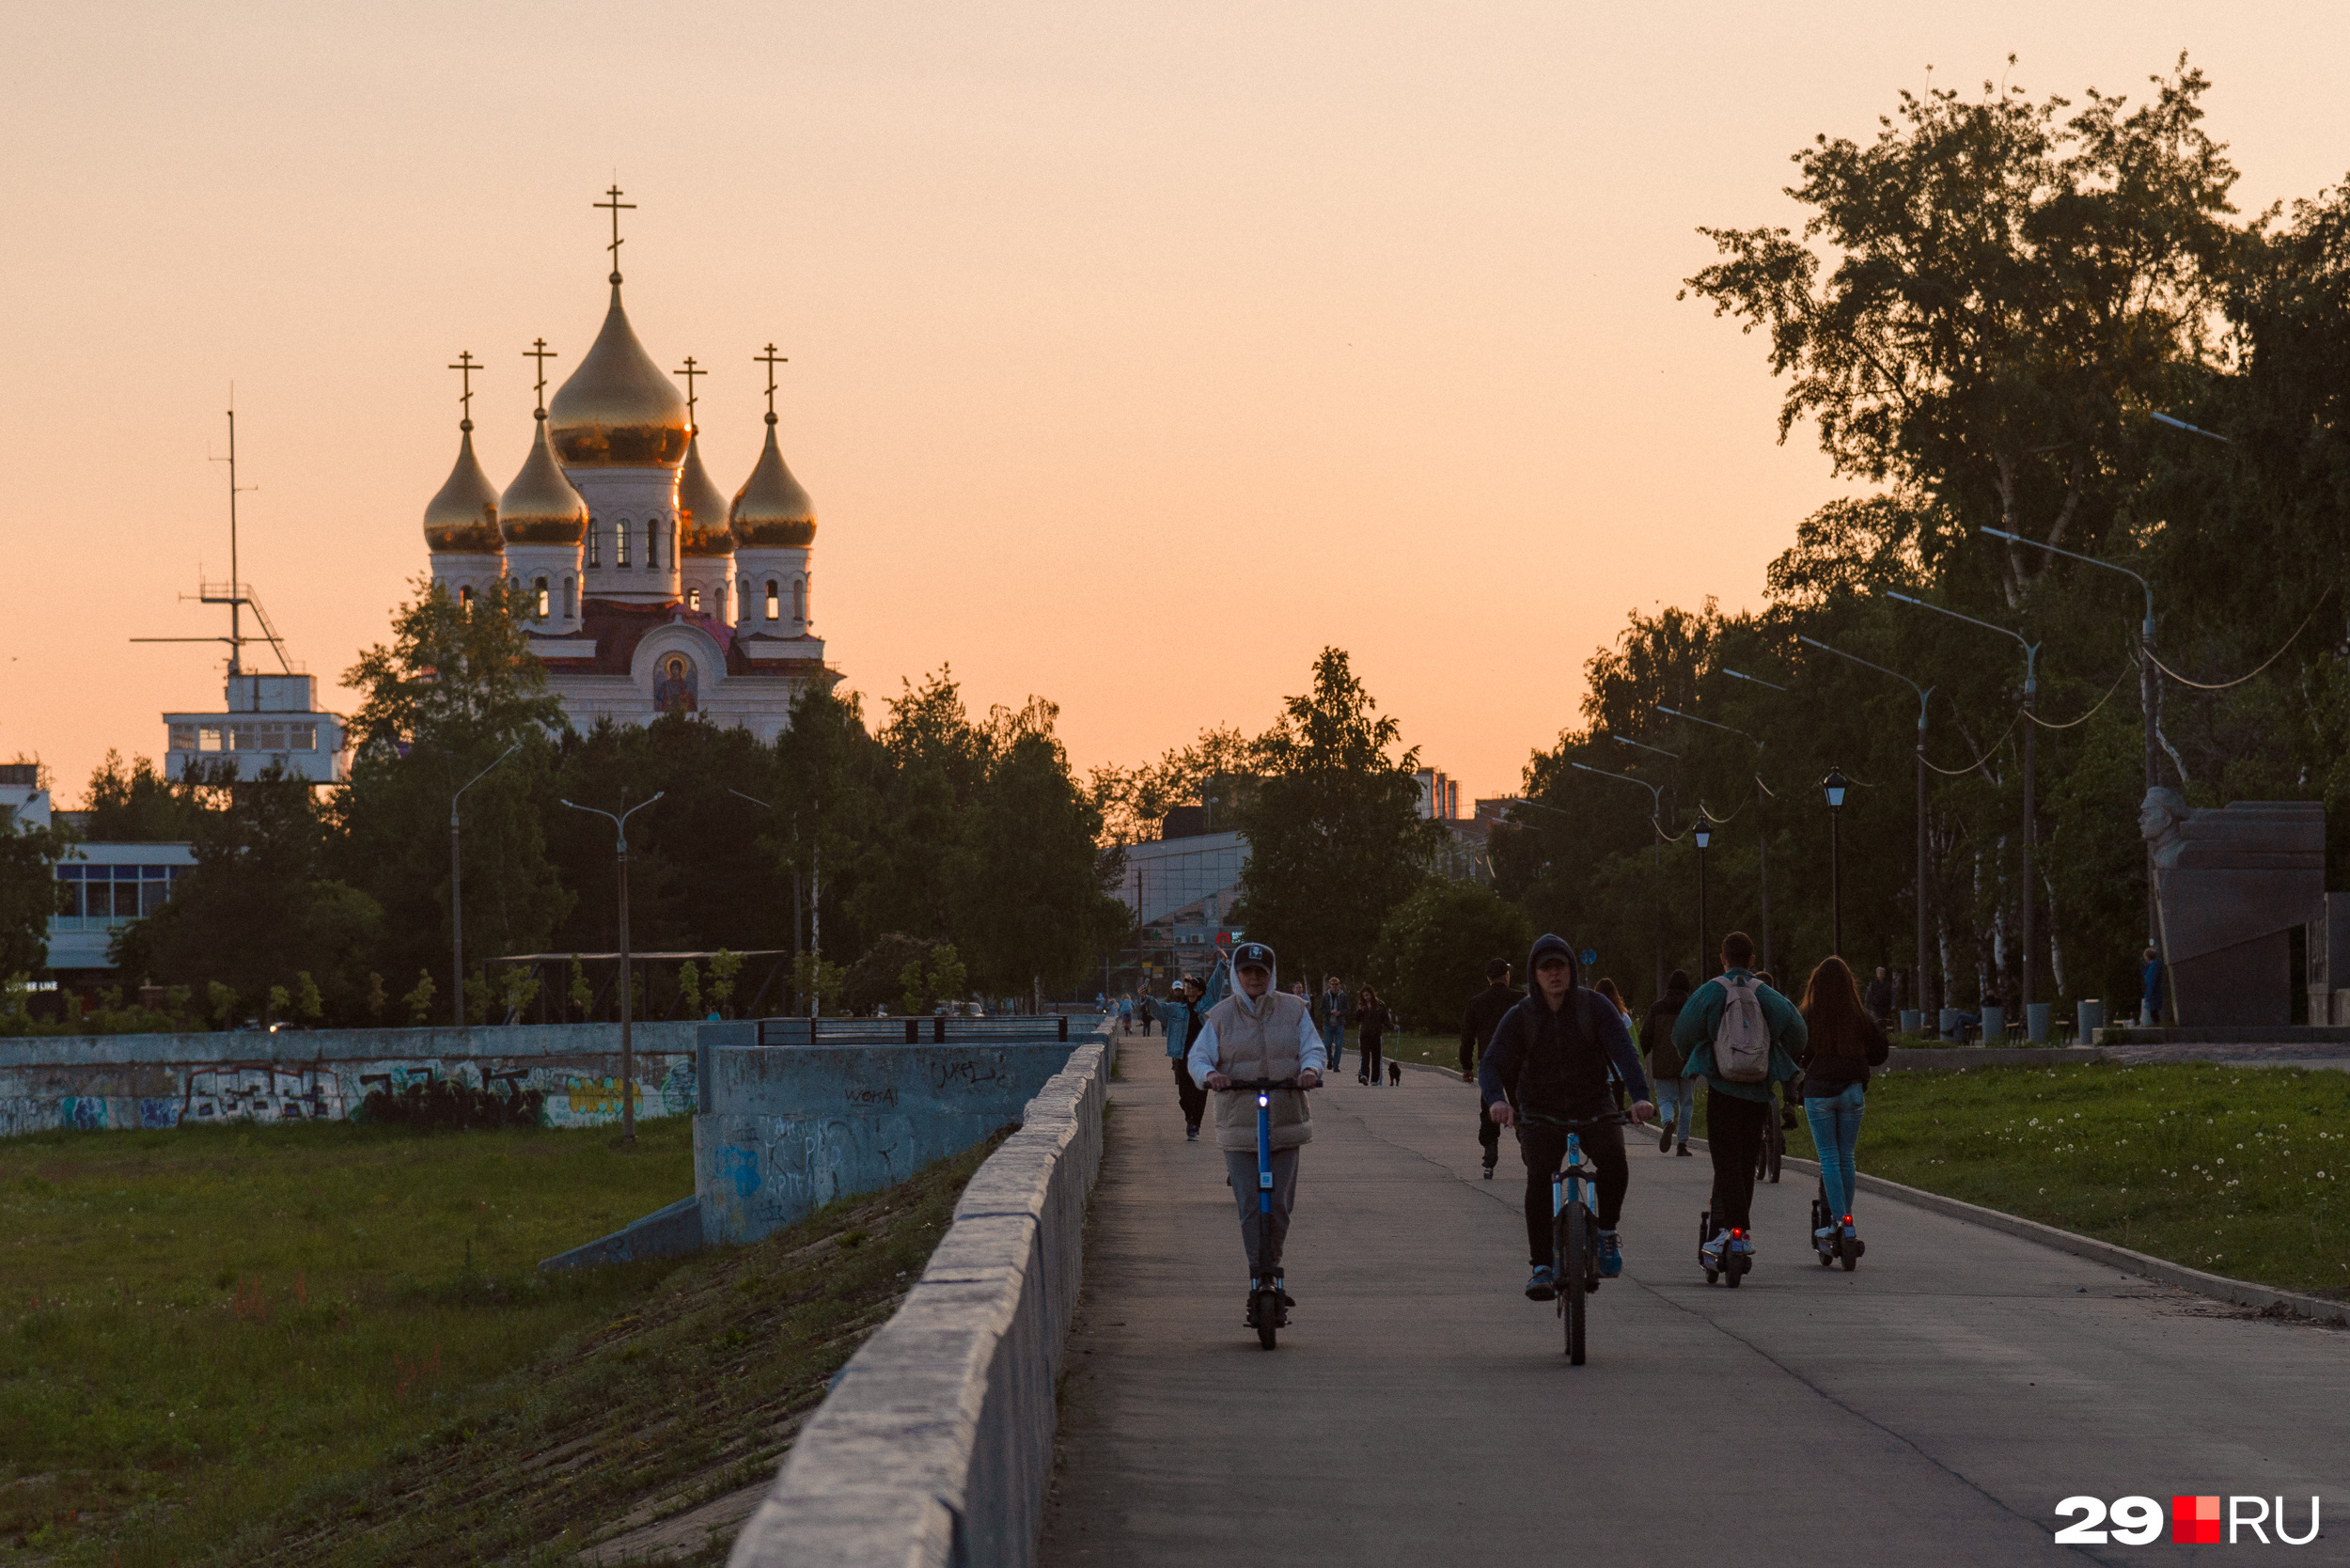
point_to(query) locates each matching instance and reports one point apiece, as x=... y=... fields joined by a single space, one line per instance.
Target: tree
x=253 y=912
x=1434 y=949
x=1335 y=837
x=28 y=894
x=138 y=806
x=2012 y=288
x=454 y=687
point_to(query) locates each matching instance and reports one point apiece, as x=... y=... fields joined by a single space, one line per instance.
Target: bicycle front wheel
x=1573 y=1287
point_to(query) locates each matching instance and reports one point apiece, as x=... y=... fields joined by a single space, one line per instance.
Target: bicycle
x=1843 y=1244
x=1574 y=1232
x=1265 y=1302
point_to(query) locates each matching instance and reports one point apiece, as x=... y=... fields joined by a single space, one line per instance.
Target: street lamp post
x=1923 y=693
x=2032 y=757
x=457 y=891
x=1656 y=831
x=2149 y=681
x=1704 y=836
x=1834 y=785
x=1762 y=837
x=628 y=1042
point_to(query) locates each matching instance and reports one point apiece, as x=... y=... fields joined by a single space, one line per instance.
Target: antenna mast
x=234 y=594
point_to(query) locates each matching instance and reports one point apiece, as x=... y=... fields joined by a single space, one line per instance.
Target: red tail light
x=1848 y=1219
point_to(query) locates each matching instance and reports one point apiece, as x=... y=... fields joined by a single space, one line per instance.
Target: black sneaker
x=1489 y=1172
x=1665 y=1140
x=1682 y=1153
x=1191 y=1134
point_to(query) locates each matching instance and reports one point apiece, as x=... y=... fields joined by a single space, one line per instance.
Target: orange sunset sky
x=1136 y=350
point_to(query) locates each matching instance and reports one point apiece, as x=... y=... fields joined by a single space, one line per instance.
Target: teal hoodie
x=1701 y=1016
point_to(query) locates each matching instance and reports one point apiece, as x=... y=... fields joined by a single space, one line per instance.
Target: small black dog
x=1395 y=1073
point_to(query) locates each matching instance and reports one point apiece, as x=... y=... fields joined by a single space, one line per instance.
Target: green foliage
x=135 y=805
x=724 y=966
x=2235 y=1171
x=922 y=985
x=28 y=892
x=583 y=995
x=689 y=987
x=1334 y=838
x=419 y=999
x=1434 y=946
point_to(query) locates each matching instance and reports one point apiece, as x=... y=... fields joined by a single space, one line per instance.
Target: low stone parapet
x=935 y=1445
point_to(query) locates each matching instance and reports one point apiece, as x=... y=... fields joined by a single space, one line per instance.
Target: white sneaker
x=1712 y=1251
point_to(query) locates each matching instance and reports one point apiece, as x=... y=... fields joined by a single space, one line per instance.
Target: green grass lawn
x=2239 y=1171
x=197 y=1325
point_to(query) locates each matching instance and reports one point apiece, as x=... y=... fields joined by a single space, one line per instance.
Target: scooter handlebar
x=1238 y=1084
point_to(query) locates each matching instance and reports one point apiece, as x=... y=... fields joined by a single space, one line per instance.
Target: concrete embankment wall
x=783 y=1131
x=937 y=1445
x=150 y=1081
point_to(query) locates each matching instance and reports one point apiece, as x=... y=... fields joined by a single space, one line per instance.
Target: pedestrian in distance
x=1607 y=988
x=1841 y=1043
x=1676 y=1094
x=2149 y=989
x=1335 y=1008
x=1181 y=1019
x=1373 y=1017
x=1881 y=999
x=1126 y=1013
x=1741 y=1037
x=1477 y=1024
x=1259 y=1032
x=1551 y=1057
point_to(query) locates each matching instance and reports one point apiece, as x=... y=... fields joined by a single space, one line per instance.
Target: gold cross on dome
x=771 y=359
x=539 y=351
x=466 y=364
x=689 y=372
x=615 y=206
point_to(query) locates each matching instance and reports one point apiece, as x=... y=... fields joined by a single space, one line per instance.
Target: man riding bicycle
x=1550 y=1058
x=1260 y=1032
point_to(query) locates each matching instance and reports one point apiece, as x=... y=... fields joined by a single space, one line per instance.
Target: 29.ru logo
x=2195 y=1521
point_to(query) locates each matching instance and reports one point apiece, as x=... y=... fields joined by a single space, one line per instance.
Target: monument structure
x=2231 y=886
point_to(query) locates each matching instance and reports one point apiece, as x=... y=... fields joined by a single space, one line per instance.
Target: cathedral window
x=694 y=600
x=652 y=543
x=775 y=602
x=544 y=600
x=799 y=599
x=620 y=542
x=746 y=599
x=464 y=597
x=595 y=546
x=570 y=603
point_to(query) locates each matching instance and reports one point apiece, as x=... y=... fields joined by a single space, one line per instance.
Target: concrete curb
x=936 y=1444
x=2242 y=1292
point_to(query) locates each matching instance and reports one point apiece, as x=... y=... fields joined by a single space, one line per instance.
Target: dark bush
x=444 y=1103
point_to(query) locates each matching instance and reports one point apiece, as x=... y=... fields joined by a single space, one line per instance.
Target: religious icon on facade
x=677 y=689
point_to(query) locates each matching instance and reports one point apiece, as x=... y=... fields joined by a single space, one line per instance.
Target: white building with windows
x=269 y=718
x=653 y=593
x=103 y=887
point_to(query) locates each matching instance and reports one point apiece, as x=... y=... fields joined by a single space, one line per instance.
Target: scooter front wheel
x=1268 y=1317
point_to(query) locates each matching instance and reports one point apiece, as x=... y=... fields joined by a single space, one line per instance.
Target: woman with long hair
x=1844 y=1043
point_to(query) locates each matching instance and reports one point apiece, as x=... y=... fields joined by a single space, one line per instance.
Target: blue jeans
x=1677 y=1099
x=1334 y=1041
x=1835 y=1129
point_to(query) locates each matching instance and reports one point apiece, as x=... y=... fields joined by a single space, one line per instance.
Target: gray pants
x=1240 y=1165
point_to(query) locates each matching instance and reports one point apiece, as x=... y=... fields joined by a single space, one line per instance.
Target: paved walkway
x=1934 y=1406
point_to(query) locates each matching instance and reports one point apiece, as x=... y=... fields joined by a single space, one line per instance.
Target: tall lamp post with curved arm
x=1924 y=1008
x=2032 y=757
x=1656 y=829
x=628 y=1044
x=1703 y=832
x=1761 y=791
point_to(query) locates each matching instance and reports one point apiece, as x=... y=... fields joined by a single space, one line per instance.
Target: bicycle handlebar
x=1536 y=1119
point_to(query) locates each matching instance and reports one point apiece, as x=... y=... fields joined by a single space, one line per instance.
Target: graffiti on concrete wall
x=265 y=1095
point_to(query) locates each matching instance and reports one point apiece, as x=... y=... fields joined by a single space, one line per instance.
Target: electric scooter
x=1841 y=1244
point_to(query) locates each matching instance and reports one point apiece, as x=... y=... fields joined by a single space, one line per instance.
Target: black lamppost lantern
x=1704 y=836
x=1834 y=785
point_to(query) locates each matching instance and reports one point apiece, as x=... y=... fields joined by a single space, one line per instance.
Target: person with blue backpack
x=1741 y=1037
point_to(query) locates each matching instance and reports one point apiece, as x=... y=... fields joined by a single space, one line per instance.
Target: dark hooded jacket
x=1556 y=1063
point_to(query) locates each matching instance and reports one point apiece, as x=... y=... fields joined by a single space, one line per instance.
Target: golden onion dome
x=463 y=517
x=701 y=510
x=771 y=509
x=540 y=507
x=618 y=410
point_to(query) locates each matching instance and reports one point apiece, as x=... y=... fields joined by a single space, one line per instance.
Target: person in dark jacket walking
x=1550 y=1057
x=1880 y=997
x=1842 y=1043
x=1477 y=1033
x=1676 y=1095
x=1373 y=1018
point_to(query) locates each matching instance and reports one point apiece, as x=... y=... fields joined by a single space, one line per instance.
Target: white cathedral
x=652 y=594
